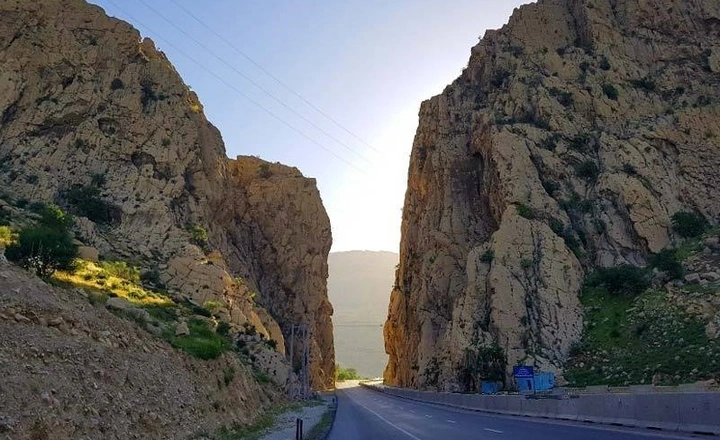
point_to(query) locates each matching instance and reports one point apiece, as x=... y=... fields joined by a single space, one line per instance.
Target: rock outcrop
x=569 y=141
x=97 y=120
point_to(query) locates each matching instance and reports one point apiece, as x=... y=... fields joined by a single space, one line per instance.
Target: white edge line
x=389 y=422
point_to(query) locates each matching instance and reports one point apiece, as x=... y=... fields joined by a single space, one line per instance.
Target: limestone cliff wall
x=573 y=135
x=85 y=102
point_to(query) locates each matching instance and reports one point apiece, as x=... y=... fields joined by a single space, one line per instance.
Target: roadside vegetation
x=343 y=374
x=639 y=332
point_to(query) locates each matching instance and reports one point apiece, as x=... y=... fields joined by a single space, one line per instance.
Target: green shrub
x=610 y=91
x=98 y=179
x=624 y=280
x=346 y=373
x=525 y=211
x=605 y=63
x=44 y=250
x=262 y=377
x=557 y=226
x=85 y=200
x=264 y=171
x=647 y=84
x=117 y=84
x=587 y=170
x=6 y=236
x=629 y=169
x=152 y=276
x=667 y=261
x=198 y=235
x=488 y=256
x=689 y=224
x=223 y=328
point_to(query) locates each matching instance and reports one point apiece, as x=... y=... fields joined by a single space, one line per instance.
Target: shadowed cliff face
x=568 y=142
x=84 y=101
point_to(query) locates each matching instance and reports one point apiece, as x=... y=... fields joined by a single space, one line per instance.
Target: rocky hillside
x=95 y=119
x=71 y=370
x=568 y=143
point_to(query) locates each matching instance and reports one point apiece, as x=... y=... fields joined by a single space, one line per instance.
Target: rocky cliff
x=569 y=141
x=96 y=119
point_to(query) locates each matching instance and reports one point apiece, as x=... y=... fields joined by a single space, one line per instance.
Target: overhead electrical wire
x=275 y=78
x=238 y=91
x=254 y=83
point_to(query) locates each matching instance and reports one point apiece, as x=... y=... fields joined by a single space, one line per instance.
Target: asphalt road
x=368 y=415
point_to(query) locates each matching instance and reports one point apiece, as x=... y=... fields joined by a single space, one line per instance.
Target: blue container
x=490 y=387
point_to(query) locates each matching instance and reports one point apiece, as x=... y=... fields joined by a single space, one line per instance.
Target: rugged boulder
x=96 y=119
x=569 y=141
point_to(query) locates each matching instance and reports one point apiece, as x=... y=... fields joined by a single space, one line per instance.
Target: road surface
x=364 y=414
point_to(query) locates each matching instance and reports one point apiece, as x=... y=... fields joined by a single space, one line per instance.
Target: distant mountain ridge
x=358 y=286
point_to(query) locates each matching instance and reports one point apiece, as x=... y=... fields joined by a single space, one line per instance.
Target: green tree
x=689 y=224
x=346 y=373
x=46 y=247
x=44 y=250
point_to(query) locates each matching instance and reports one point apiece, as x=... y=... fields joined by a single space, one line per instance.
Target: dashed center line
x=451 y=421
x=493 y=430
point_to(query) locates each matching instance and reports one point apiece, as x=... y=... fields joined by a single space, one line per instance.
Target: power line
x=238 y=91
x=276 y=79
x=254 y=83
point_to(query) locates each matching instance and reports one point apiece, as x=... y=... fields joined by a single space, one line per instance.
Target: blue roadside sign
x=523 y=372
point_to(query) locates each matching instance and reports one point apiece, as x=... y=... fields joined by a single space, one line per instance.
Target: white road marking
x=451 y=421
x=388 y=422
x=493 y=430
x=428 y=416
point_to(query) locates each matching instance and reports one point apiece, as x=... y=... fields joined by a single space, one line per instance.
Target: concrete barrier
x=699 y=413
x=686 y=412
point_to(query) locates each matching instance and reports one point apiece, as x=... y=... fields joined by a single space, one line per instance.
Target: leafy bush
x=6 y=236
x=264 y=171
x=346 y=373
x=223 y=328
x=198 y=235
x=624 y=280
x=117 y=84
x=610 y=91
x=689 y=224
x=44 y=250
x=86 y=201
x=647 y=84
x=629 y=169
x=525 y=211
x=667 y=261
x=152 y=276
x=605 y=63
x=587 y=170
x=488 y=256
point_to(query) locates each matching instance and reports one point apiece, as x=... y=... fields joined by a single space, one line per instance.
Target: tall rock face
x=569 y=141
x=97 y=120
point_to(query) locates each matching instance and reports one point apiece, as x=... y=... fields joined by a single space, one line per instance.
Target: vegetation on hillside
x=636 y=333
x=46 y=246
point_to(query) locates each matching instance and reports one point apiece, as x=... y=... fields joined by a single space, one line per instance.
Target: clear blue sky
x=366 y=63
